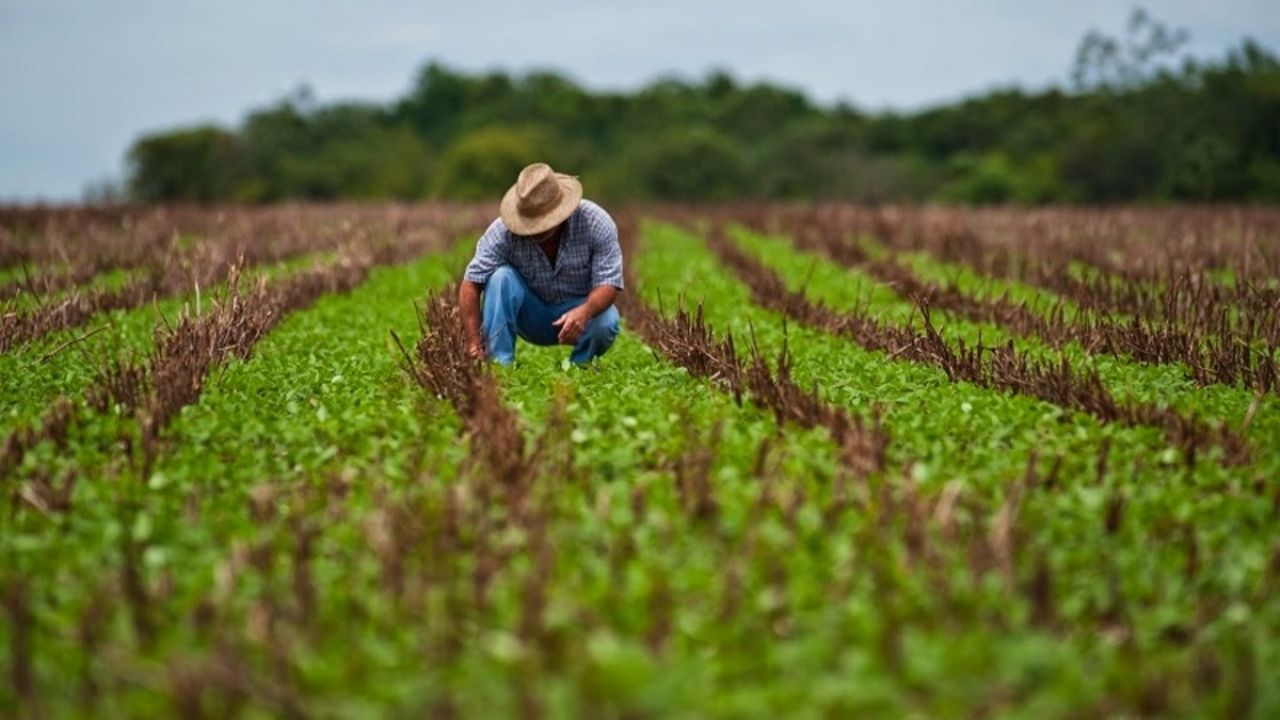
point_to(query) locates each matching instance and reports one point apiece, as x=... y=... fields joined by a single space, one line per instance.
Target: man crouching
x=549 y=267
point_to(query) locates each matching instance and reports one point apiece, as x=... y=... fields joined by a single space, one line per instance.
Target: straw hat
x=541 y=199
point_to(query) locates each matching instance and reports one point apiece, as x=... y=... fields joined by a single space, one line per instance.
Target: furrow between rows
x=1001 y=367
x=173 y=266
x=687 y=341
x=185 y=353
x=1214 y=349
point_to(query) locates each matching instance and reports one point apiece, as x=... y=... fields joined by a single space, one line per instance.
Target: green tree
x=191 y=164
x=696 y=163
x=1138 y=125
x=482 y=164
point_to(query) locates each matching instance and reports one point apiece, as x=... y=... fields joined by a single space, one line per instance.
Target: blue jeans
x=511 y=309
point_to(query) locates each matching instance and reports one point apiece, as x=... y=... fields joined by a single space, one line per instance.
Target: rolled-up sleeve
x=489 y=254
x=606 y=253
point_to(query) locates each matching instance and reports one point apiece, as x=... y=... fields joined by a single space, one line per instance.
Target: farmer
x=549 y=267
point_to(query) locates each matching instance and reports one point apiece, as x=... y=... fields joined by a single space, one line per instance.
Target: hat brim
x=571 y=196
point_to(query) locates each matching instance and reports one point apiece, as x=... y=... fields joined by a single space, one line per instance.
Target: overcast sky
x=81 y=79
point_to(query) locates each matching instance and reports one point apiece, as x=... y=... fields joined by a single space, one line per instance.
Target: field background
x=948 y=383
x=842 y=461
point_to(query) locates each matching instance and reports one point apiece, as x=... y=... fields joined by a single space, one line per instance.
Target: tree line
x=1136 y=123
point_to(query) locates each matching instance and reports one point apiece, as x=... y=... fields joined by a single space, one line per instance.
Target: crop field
x=841 y=462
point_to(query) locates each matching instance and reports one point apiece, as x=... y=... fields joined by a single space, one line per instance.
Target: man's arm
x=489 y=256
x=599 y=300
x=606 y=253
x=469 y=310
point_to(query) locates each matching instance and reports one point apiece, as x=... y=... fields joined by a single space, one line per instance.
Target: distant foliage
x=481 y=164
x=1138 y=123
x=191 y=164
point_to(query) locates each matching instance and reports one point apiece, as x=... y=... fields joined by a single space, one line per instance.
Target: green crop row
x=319 y=536
x=109 y=280
x=33 y=375
x=1162 y=385
x=322 y=400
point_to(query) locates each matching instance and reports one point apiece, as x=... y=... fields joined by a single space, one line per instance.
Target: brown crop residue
x=186 y=351
x=176 y=251
x=443 y=367
x=515 y=561
x=1002 y=367
x=1149 y=292
x=687 y=340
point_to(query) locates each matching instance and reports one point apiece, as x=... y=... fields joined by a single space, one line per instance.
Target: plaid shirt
x=589 y=256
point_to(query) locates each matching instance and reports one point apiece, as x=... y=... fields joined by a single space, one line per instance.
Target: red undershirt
x=551 y=248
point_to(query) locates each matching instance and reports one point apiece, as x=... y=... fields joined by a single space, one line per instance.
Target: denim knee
x=605 y=327
x=503 y=276
x=609 y=321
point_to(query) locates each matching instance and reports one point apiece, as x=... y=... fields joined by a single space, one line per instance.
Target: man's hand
x=475 y=349
x=572 y=324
